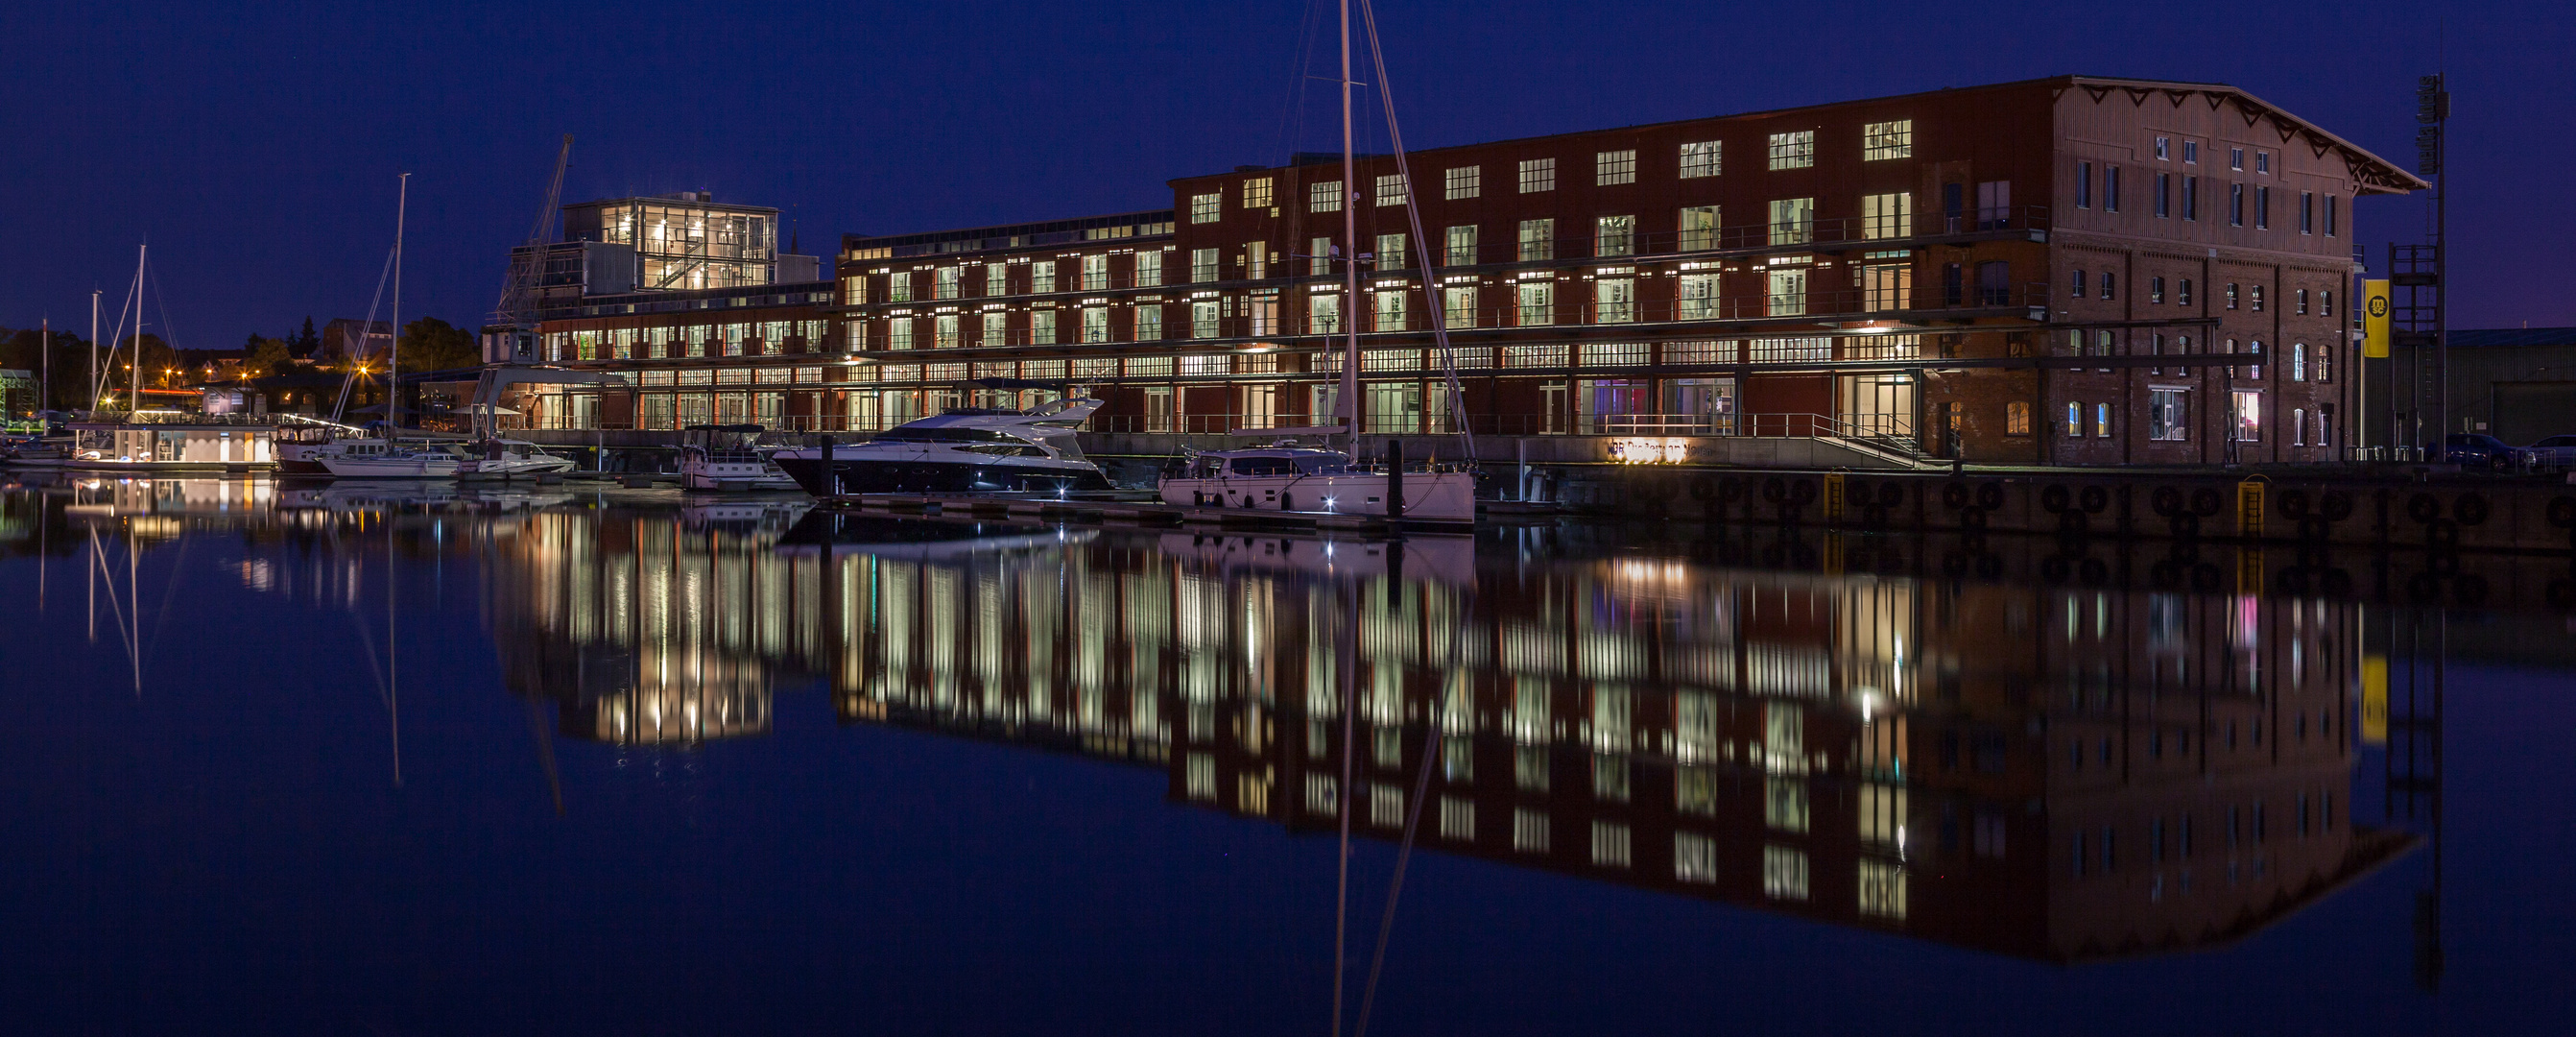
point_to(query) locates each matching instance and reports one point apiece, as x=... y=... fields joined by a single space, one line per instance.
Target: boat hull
x=913 y=475
x=392 y=468
x=1448 y=497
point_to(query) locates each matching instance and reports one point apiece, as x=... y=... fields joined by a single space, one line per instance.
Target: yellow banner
x=2374 y=700
x=2374 y=319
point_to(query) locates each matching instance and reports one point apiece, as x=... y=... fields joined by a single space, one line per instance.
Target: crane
x=517 y=310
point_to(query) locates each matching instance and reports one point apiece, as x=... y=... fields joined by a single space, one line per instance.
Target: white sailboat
x=1291 y=478
x=391 y=459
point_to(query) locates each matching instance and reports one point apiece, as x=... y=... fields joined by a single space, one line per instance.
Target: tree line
x=428 y=344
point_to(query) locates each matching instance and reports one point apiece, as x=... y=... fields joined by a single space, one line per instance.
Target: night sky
x=257 y=148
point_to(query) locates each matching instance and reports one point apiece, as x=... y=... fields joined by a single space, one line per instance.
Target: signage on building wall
x=1637 y=450
x=2374 y=319
x=2374 y=700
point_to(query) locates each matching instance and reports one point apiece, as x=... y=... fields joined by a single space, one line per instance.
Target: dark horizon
x=259 y=152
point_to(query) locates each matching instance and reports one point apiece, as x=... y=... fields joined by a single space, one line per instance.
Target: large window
x=1319 y=257
x=1786 y=292
x=1695 y=297
x=1793 y=221
x=1880 y=140
x=943 y=333
x=2248 y=416
x=997 y=328
x=1324 y=196
x=1463 y=182
x=1391 y=189
x=1256 y=193
x=1458 y=306
x=1538 y=240
x=1206 y=208
x=1887 y=285
x=1886 y=215
x=1793 y=150
x=1538 y=174
x=1149 y=322
x=1614 y=300
x=1095 y=273
x=1042 y=328
x=1323 y=314
x=1703 y=158
x=1614 y=167
x=1203 y=319
x=1390 y=252
x=1042 y=276
x=1698 y=225
x=1149 y=268
x=1614 y=236
x=1536 y=302
x=2168 y=415
x=1095 y=324
x=1994 y=284
x=1461 y=242
x=1389 y=311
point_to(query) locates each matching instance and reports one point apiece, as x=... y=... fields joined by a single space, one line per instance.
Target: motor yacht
x=963 y=450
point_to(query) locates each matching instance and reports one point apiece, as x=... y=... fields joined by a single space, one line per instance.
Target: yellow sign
x=2374 y=700
x=2374 y=319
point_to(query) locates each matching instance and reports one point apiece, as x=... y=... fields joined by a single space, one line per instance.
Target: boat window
x=1264 y=466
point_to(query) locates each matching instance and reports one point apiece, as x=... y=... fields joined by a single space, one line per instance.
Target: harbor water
x=407 y=759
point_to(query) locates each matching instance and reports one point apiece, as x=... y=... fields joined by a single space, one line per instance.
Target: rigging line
x=100 y=378
x=173 y=340
x=178 y=568
x=1453 y=687
x=1431 y=290
x=99 y=566
x=340 y=409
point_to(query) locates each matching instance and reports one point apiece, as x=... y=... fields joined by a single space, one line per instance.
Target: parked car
x=2554 y=452
x=2479 y=450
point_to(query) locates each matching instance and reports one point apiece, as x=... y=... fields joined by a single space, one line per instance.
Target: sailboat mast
x=93 y=349
x=1350 y=408
x=393 y=361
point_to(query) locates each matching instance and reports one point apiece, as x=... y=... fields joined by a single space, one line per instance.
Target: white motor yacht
x=964 y=450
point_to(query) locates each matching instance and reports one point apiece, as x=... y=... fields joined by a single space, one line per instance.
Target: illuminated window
x=1698 y=225
x=1886 y=215
x=2017 y=418
x=1614 y=167
x=1391 y=189
x=1390 y=251
x=1614 y=236
x=1881 y=140
x=1538 y=240
x=1703 y=158
x=1609 y=845
x=1694 y=857
x=1793 y=150
x=1793 y=221
x=1461 y=242
x=1206 y=208
x=1324 y=196
x=1457 y=818
x=1463 y=182
x=1882 y=888
x=1256 y=193
x=1529 y=831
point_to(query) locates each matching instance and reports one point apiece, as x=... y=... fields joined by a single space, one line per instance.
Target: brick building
x=1903 y=270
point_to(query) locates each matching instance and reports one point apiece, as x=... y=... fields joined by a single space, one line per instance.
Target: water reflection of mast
x=2415 y=771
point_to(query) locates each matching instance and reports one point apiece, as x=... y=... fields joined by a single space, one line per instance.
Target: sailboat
x=1290 y=477
x=392 y=460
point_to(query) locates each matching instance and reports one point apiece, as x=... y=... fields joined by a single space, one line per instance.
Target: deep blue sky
x=257 y=146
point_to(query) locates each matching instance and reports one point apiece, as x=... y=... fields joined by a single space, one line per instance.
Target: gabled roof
x=2371 y=174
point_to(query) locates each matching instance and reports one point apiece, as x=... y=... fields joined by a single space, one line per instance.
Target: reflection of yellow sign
x=1649 y=451
x=1833 y=496
x=2374 y=319
x=2374 y=700
x=2249 y=508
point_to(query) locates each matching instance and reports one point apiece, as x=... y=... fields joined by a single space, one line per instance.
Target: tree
x=305 y=343
x=267 y=356
x=431 y=344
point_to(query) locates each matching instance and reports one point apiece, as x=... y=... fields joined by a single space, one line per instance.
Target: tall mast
x=45 y=383
x=393 y=361
x=1350 y=408
x=93 y=349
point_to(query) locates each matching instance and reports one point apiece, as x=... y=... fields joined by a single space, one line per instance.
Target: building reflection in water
x=2061 y=774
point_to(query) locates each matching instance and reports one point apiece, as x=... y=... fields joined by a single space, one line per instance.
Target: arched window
x=2299 y=362
x=2299 y=427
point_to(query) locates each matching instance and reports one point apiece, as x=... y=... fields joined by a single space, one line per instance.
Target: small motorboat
x=727 y=458
x=388 y=461
x=498 y=458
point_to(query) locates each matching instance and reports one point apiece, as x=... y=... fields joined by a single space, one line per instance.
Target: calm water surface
x=395 y=761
